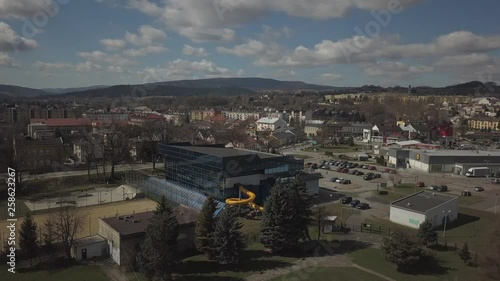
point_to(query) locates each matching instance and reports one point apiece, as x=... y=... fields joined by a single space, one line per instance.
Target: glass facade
x=205 y=169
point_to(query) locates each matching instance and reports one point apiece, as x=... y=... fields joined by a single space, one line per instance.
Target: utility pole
x=445 y=221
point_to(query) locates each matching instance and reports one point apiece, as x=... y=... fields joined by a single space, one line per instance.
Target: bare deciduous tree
x=67 y=222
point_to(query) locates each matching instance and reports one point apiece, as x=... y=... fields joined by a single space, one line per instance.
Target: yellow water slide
x=249 y=200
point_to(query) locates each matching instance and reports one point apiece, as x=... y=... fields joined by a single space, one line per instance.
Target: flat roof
x=137 y=223
x=451 y=152
x=89 y=240
x=423 y=201
x=226 y=151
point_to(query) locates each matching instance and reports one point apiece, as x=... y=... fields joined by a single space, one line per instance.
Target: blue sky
x=331 y=42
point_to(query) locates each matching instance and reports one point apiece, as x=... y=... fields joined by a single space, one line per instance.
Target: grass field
x=98 y=211
x=472 y=226
x=256 y=259
x=450 y=266
x=330 y=273
x=76 y=273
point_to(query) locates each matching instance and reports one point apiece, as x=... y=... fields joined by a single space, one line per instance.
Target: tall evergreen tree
x=227 y=239
x=301 y=206
x=279 y=229
x=427 y=233
x=159 y=250
x=28 y=239
x=205 y=225
x=350 y=141
x=402 y=251
x=465 y=254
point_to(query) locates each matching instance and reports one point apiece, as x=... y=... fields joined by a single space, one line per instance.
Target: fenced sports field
x=93 y=212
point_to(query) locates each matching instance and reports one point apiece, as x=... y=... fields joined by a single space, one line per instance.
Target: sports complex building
x=443 y=161
x=233 y=176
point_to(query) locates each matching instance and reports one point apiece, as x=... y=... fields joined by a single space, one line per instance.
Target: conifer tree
x=227 y=239
x=402 y=251
x=28 y=239
x=159 y=250
x=427 y=233
x=205 y=225
x=301 y=206
x=465 y=254
x=279 y=221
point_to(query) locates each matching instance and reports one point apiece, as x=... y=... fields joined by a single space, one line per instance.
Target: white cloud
x=6 y=60
x=200 y=20
x=188 y=50
x=331 y=77
x=270 y=34
x=11 y=41
x=116 y=69
x=47 y=66
x=113 y=44
x=251 y=48
x=87 y=66
x=473 y=59
x=25 y=8
x=144 y=51
x=101 y=57
x=147 y=35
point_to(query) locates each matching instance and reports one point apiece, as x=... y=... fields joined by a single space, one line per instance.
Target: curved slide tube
x=249 y=200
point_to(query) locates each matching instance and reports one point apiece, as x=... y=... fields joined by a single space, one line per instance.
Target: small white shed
x=90 y=247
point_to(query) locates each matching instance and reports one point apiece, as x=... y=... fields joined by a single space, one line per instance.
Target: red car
x=339 y=170
x=420 y=184
x=372 y=168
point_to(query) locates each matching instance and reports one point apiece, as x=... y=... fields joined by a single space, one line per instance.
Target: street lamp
x=496 y=203
x=445 y=220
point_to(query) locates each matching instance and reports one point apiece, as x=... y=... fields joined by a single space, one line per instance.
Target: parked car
x=368 y=177
x=345 y=170
x=377 y=176
x=372 y=168
x=354 y=203
x=420 y=184
x=359 y=173
x=334 y=179
x=466 y=193
x=478 y=188
x=365 y=167
x=346 y=200
x=339 y=180
x=339 y=169
x=442 y=188
x=434 y=187
x=387 y=170
x=356 y=165
x=314 y=166
x=346 y=182
x=353 y=172
x=362 y=206
x=325 y=167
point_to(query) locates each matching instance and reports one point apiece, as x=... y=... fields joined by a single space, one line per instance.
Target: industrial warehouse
x=444 y=161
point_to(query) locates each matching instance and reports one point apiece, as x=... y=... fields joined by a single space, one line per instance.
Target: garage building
x=443 y=161
x=413 y=210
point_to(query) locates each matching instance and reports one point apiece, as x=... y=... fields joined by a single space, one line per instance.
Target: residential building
x=63 y=125
x=237 y=115
x=38 y=154
x=200 y=115
x=385 y=134
x=413 y=210
x=143 y=119
x=267 y=124
x=107 y=117
x=355 y=130
x=484 y=123
x=312 y=130
x=125 y=233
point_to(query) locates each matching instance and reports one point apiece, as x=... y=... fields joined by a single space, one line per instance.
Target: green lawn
x=330 y=273
x=21 y=209
x=255 y=259
x=472 y=226
x=75 y=273
x=391 y=196
x=450 y=266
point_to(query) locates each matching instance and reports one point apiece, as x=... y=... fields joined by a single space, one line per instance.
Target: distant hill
x=16 y=91
x=69 y=90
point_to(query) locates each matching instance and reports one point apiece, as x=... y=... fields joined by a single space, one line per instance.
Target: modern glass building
x=220 y=171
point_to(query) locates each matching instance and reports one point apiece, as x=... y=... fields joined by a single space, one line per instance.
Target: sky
x=79 y=43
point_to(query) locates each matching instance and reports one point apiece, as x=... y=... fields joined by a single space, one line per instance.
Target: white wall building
x=413 y=210
x=241 y=115
x=90 y=247
x=267 y=124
